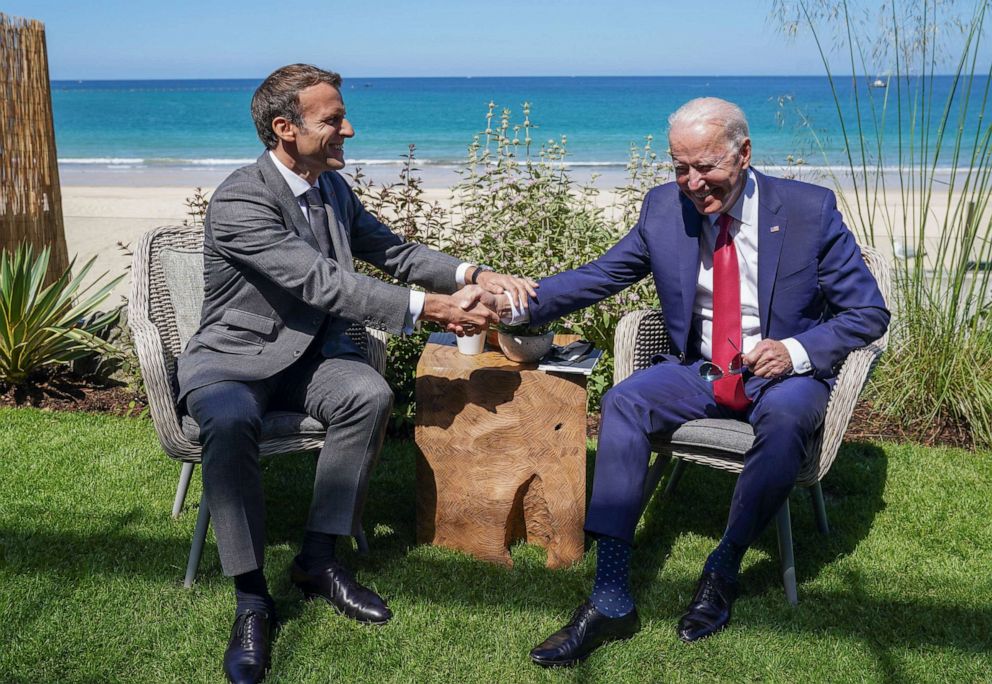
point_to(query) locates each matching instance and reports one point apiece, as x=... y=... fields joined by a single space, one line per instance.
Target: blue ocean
x=206 y=123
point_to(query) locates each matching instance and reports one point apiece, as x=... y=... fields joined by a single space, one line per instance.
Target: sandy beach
x=106 y=210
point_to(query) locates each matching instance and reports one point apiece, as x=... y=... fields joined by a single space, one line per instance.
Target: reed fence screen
x=30 y=196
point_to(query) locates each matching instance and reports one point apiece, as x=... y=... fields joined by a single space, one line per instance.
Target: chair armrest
x=639 y=336
x=377 y=340
x=852 y=379
x=161 y=401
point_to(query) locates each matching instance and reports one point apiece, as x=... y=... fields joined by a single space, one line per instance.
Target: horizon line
x=468 y=78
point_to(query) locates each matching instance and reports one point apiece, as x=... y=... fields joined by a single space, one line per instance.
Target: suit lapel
x=688 y=256
x=287 y=201
x=772 y=226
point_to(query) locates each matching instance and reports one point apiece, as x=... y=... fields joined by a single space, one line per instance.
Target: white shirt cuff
x=416 y=308
x=516 y=316
x=800 y=359
x=460 y=274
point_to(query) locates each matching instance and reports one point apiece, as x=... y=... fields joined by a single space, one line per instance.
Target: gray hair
x=279 y=95
x=713 y=110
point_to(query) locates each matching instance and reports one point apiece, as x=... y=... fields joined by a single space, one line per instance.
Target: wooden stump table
x=503 y=454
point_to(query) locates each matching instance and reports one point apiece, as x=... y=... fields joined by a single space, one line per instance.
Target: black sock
x=318 y=550
x=252 y=592
x=726 y=559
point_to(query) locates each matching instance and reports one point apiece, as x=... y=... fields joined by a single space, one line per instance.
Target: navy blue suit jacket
x=813 y=284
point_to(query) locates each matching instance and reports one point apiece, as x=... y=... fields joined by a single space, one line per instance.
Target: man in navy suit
x=754 y=273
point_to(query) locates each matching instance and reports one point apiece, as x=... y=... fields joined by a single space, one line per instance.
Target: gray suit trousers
x=344 y=393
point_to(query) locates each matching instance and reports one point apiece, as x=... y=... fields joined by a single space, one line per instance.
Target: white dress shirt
x=744 y=231
x=298 y=186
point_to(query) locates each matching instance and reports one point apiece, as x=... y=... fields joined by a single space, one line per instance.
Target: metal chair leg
x=819 y=508
x=363 y=544
x=184 y=477
x=783 y=521
x=673 y=479
x=199 y=537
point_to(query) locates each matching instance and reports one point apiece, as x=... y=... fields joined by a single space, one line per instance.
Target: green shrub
x=518 y=210
x=105 y=325
x=939 y=364
x=45 y=325
x=523 y=213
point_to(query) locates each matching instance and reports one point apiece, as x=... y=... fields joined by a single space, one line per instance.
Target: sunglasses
x=711 y=372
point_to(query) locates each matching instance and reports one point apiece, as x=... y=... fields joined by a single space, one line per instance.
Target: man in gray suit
x=280 y=291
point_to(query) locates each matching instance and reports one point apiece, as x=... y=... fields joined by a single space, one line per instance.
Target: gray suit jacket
x=268 y=288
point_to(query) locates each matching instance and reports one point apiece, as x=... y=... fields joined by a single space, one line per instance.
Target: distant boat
x=879 y=83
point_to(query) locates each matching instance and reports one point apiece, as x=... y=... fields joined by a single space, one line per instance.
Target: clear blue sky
x=114 y=39
x=246 y=39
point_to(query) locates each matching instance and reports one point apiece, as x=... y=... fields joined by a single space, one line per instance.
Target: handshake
x=476 y=307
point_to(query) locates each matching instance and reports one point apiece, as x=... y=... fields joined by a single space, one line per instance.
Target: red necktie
x=728 y=390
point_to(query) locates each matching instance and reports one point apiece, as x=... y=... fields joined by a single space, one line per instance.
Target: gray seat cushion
x=732 y=436
x=275 y=424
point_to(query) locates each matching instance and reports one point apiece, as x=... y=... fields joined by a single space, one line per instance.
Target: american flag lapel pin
x=773 y=229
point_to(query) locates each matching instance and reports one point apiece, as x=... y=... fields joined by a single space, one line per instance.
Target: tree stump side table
x=503 y=454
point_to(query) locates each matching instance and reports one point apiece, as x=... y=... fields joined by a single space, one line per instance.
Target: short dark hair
x=279 y=95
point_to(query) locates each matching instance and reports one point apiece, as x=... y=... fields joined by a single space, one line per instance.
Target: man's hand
x=470 y=295
x=517 y=287
x=467 y=312
x=769 y=359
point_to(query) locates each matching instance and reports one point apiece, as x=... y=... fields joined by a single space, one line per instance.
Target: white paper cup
x=472 y=344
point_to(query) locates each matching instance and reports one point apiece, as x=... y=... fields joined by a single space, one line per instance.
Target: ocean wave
x=171 y=162
x=103 y=161
x=154 y=161
x=207 y=162
x=385 y=162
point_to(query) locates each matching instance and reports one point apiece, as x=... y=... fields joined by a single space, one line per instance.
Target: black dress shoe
x=585 y=632
x=335 y=585
x=709 y=611
x=249 y=651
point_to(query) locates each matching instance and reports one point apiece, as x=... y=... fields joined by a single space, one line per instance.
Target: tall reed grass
x=918 y=181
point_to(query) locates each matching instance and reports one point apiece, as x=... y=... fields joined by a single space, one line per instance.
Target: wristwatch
x=474 y=278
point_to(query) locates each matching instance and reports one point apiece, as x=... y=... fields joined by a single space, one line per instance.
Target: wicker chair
x=163 y=313
x=722 y=443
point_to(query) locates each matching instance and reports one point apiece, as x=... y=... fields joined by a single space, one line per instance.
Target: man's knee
x=796 y=407
x=612 y=399
x=380 y=399
x=225 y=415
x=367 y=396
x=623 y=397
x=233 y=423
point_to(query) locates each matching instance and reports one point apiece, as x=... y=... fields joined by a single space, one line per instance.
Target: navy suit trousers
x=785 y=414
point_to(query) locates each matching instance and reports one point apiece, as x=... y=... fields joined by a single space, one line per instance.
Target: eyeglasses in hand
x=711 y=372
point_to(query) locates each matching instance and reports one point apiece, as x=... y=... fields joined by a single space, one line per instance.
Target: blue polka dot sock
x=726 y=559
x=611 y=589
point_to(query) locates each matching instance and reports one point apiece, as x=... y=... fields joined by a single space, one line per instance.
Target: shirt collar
x=297 y=185
x=745 y=208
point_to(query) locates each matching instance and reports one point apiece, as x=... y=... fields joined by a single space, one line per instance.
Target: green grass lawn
x=91 y=567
